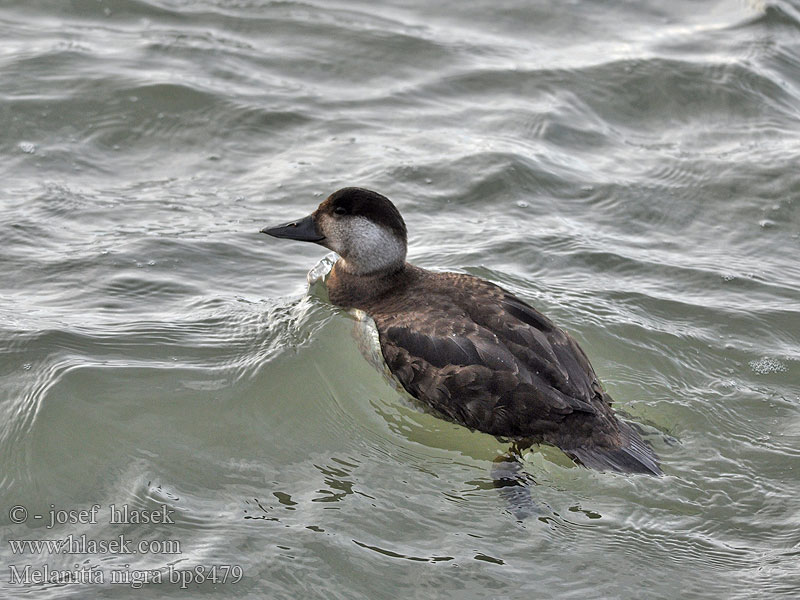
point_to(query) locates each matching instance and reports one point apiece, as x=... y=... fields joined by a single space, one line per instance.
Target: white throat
x=365 y=247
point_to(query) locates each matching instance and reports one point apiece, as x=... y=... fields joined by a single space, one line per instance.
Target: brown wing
x=488 y=360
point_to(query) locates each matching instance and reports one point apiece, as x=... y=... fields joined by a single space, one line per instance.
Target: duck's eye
x=340 y=210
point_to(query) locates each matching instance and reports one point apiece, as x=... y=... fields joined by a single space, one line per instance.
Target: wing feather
x=488 y=360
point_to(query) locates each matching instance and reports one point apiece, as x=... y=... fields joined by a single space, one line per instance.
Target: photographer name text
x=117 y=515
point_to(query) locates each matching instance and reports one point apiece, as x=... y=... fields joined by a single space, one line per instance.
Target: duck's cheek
x=331 y=242
x=333 y=235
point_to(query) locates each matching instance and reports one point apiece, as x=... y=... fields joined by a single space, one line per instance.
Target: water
x=629 y=168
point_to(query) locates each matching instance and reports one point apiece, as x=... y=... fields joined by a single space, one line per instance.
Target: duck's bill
x=303 y=230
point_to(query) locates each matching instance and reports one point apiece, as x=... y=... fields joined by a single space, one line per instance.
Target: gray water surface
x=629 y=168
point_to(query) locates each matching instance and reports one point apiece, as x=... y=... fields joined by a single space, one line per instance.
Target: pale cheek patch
x=364 y=246
x=332 y=231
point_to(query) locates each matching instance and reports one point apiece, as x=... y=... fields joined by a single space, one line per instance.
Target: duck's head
x=363 y=227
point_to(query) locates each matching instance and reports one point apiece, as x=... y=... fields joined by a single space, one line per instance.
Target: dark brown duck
x=468 y=348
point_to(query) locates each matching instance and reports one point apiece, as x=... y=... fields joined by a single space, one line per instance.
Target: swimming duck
x=471 y=350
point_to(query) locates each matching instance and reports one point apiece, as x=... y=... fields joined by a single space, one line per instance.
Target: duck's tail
x=632 y=456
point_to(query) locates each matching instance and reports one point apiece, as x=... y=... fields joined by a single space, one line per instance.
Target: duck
x=472 y=351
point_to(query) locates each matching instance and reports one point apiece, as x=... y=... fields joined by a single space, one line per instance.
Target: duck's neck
x=352 y=290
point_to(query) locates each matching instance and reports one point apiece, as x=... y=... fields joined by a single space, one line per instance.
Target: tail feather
x=632 y=456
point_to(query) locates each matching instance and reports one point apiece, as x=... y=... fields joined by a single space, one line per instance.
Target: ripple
x=776 y=16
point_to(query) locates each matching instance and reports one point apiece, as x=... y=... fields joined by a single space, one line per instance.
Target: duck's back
x=489 y=361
